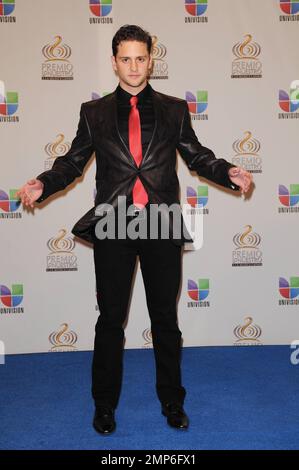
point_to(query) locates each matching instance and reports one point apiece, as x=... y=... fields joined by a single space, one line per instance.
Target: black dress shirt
x=146 y=113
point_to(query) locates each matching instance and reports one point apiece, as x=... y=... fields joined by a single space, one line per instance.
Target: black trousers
x=160 y=262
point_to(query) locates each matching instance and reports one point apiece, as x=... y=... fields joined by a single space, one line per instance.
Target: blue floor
x=237 y=398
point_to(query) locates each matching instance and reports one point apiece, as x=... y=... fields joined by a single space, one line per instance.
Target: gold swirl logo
x=57 y=51
x=61 y=244
x=147 y=336
x=57 y=148
x=248 y=145
x=63 y=338
x=158 y=50
x=248 y=331
x=247 y=239
x=247 y=49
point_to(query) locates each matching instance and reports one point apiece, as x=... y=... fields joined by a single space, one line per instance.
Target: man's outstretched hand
x=240 y=177
x=30 y=192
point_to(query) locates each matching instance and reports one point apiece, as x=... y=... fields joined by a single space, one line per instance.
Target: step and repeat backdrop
x=237 y=65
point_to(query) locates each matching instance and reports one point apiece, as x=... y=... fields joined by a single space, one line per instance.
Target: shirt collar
x=123 y=96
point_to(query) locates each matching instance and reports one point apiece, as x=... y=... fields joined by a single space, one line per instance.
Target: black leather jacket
x=116 y=169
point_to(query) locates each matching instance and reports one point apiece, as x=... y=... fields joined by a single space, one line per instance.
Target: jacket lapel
x=158 y=110
x=111 y=127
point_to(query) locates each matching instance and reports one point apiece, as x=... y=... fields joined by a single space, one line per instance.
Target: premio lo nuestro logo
x=247 y=251
x=11 y=299
x=197 y=199
x=9 y=205
x=247 y=153
x=100 y=10
x=248 y=334
x=290 y=8
x=160 y=66
x=63 y=340
x=57 y=65
x=289 y=198
x=9 y=103
x=246 y=63
x=289 y=102
x=55 y=149
x=197 y=104
x=198 y=292
x=196 y=10
x=148 y=339
x=6 y=9
x=61 y=256
x=289 y=291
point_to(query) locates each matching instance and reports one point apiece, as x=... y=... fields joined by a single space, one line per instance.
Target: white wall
x=198 y=57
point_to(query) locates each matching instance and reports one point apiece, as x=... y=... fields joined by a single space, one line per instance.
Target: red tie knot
x=133 y=101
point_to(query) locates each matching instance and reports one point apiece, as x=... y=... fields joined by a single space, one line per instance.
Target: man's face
x=132 y=64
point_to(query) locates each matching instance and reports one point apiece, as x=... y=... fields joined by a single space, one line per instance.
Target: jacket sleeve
x=201 y=159
x=71 y=165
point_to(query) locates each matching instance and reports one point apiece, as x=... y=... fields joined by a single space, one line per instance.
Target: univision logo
x=100 y=10
x=289 y=290
x=9 y=204
x=289 y=102
x=197 y=104
x=289 y=198
x=291 y=10
x=198 y=292
x=196 y=9
x=97 y=96
x=11 y=299
x=246 y=63
x=57 y=65
x=9 y=103
x=6 y=9
x=198 y=199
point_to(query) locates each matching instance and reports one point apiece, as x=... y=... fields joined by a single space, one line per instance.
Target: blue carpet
x=237 y=398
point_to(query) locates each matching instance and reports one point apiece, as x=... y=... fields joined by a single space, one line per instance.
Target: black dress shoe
x=104 y=421
x=176 y=416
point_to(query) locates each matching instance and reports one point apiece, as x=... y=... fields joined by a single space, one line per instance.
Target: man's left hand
x=240 y=177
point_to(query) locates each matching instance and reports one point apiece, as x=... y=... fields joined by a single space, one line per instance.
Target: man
x=134 y=132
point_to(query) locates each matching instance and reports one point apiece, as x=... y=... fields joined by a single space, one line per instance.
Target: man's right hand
x=30 y=192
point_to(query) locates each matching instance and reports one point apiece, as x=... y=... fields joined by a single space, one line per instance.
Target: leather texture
x=117 y=170
x=104 y=420
x=176 y=415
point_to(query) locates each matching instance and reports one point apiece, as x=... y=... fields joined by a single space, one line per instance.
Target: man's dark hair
x=131 y=32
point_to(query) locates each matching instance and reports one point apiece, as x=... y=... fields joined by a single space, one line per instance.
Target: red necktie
x=140 y=197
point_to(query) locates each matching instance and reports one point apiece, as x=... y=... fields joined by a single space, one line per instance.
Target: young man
x=135 y=132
